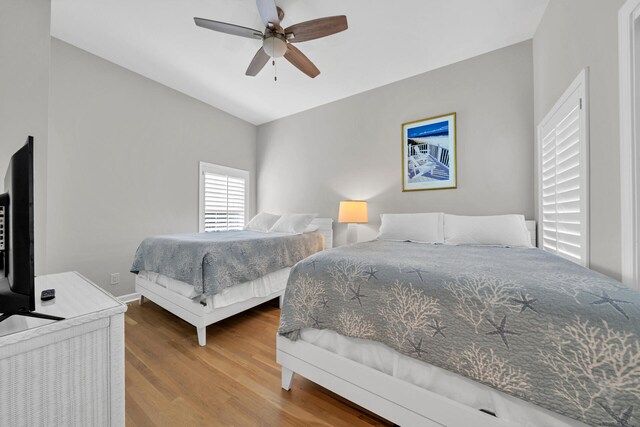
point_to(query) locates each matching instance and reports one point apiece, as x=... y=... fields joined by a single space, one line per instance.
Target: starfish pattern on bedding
x=316 y=322
x=621 y=420
x=437 y=328
x=606 y=299
x=525 y=302
x=371 y=273
x=324 y=302
x=417 y=347
x=418 y=272
x=357 y=295
x=501 y=330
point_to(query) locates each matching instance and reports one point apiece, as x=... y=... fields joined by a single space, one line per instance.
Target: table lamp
x=353 y=212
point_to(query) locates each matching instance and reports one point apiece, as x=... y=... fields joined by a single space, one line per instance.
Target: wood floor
x=233 y=381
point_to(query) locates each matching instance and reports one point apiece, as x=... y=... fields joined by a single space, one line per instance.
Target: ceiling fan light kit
x=275 y=45
x=278 y=42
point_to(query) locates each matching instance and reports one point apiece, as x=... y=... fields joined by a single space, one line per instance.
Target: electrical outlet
x=115 y=278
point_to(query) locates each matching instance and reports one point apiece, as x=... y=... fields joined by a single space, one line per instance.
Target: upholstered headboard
x=325 y=227
x=531 y=227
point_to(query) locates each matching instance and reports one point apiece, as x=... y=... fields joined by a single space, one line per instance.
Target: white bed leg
x=281 y=300
x=287 y=378
x=202 y=336
x=141 y=300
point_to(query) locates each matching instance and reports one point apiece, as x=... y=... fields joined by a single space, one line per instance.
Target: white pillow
x=311 y=228
x=420 y=227
x=262 y=222
x=498 y=230
x=293 y=223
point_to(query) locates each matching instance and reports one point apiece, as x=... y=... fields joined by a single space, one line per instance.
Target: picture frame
x=429 y=160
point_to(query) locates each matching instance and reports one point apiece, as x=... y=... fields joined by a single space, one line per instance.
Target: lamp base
x=352 y=234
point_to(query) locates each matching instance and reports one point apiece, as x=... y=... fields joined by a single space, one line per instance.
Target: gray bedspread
x=523 y=321
x=212 y=262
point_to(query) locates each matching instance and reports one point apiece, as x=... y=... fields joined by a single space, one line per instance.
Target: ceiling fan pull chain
x=273 y=62
x=275 y=71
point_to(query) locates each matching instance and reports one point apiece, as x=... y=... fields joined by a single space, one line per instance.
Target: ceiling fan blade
x=223 y=27
x=258 y=62
x=316 y=28
x=301 y=62
x=268 y=12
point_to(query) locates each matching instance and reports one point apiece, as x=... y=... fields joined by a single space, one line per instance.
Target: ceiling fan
x=276 y=41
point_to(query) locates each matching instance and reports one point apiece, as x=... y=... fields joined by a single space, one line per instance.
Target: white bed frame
x=398 y=401
x=201 y=316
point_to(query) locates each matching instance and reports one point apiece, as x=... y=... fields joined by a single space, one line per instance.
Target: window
x=563 y=183
x=224 y=199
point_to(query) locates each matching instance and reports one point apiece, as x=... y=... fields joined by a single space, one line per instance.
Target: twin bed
x=451 y=334
x=206 y=277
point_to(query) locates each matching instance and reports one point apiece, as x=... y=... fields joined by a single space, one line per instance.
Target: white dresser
x=65 y=373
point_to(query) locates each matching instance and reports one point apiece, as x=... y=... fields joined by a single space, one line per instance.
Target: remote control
x=48 y=294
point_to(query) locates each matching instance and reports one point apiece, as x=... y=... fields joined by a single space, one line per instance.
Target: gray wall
x=575 y=34
x=24 y=94
x=123 y=163
x=351 y=149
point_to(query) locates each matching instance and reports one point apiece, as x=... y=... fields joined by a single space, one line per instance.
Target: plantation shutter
x=564 y=178
x=223 y=200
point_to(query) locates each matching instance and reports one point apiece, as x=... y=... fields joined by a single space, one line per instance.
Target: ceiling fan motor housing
x=275 y=45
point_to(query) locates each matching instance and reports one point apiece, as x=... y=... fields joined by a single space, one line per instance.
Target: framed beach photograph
x=429 y=154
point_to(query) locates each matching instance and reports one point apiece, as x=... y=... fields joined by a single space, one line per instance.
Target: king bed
x=462 y=333
x=207 y=277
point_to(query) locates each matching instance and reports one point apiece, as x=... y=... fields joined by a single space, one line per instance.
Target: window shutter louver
x=223 y=201
x=563 y=182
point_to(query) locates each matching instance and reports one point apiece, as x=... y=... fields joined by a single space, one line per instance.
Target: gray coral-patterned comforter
x=212 y=262
x=523 y=321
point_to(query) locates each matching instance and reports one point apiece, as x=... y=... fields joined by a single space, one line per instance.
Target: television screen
x=17 y=290
x=18 y=182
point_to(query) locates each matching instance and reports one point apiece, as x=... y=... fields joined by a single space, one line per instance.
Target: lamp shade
x=353 y=212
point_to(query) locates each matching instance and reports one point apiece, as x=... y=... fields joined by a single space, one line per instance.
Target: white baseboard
x=129 y=298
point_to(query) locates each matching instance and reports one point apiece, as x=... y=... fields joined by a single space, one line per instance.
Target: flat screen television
x=17 y=287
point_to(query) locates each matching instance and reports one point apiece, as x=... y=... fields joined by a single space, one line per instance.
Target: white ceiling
x=386 y=42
